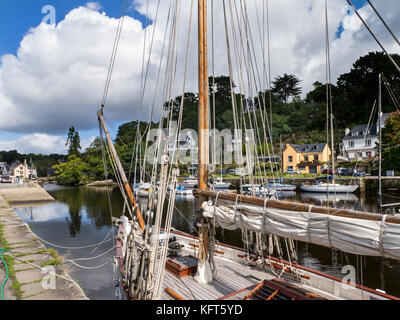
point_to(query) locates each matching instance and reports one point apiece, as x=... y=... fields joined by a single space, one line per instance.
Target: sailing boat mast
x=380 y=145
x=204 y=273
x=203 y=98
x=124 y=179
x=329 y=108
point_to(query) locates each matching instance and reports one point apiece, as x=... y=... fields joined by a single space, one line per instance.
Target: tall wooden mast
x=203 y=99
x=204 y=273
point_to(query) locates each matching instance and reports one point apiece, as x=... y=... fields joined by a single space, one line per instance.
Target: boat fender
x=126 y=225
x=306 y=183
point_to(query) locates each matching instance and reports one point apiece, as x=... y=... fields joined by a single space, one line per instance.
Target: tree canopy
x=73 y=141
x=286 y=86
x=391 y=143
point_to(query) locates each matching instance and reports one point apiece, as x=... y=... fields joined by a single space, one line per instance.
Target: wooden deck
x=229 y=279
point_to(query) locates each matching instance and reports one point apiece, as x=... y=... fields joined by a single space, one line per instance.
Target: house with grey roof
x=306 y=158
x=359 y=143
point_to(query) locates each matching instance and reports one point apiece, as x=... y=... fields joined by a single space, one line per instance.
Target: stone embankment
x=35 y=273
x=24 y=193
x=101 y=183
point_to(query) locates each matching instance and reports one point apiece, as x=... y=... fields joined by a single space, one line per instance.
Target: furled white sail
x=352 y=235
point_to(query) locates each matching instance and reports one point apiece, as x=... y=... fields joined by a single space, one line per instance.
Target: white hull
x=329 y=187
x=184 y=192
x=258 y=191
x=142 y=190
x=282 y=187
x=221 y=185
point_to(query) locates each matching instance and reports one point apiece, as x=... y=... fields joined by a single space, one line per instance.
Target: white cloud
x=96 y=6
x=40 y=143
x=57 y=78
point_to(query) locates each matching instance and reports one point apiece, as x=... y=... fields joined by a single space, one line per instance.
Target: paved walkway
x=36 y=273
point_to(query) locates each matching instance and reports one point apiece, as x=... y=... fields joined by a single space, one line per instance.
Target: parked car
x=344 y=171
x=292 y=171
x=234 y=172
x=6 y=179
x=359 y=173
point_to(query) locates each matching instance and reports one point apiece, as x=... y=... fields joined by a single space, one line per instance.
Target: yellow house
x=307 y=158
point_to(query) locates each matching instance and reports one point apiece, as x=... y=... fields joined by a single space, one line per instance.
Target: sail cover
x=352 y=235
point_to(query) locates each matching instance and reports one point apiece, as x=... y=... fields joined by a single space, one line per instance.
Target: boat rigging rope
x=373 y=35
x=39 y=267
x=383 y=21
x=90 y=268
x=391 y=93
x=91 y=258
x=114 y=52
x=73 y=248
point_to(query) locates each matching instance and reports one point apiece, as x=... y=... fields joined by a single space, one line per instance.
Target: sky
x=52 y=76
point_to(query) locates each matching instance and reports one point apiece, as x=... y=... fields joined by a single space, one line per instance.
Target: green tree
x=358 y=89
x=93 y=157
x=73 y=141
x=73 y=172
x=391 y=143
x=286 y=86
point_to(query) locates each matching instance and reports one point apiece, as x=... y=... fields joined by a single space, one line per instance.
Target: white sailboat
x=329 y=188
x=219 y=184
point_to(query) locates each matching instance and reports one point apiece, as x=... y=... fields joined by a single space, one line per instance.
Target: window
x=305 y=158
x=351 y=143
x=302 y=168
x=316 y=157
x=290 y=159
x=360 y=154
x=368 y=142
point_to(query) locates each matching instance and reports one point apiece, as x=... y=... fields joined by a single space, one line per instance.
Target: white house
x=359 y=143
x=23 y=170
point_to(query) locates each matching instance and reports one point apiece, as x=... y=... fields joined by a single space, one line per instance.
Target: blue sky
x=18 y=16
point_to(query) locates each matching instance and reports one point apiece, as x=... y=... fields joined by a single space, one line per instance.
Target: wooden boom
x=127 y=187
x=294 y=206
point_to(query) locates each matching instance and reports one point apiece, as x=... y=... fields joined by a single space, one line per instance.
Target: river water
x=81 y=216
